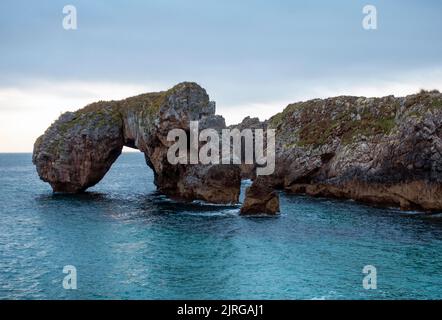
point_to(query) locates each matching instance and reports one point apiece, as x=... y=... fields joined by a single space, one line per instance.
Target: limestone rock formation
x=379 y=150
x=78 y=149
x=248 y=171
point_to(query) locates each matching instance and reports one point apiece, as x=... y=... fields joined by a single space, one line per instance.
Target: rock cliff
x=378 y=150
x=78 y=149
x=384 y=151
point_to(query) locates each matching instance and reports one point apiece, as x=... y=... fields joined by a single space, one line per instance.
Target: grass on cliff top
x=318 y=121
x=314 y=122
x=418 y=104
x=148 y=104
x=437 y=104
x=108 y=112
x=320 y=132
x=102 y=113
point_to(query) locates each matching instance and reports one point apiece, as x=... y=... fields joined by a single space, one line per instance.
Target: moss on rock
x=317 y=122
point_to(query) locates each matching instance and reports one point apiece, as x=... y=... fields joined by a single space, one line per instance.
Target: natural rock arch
x=78 y=149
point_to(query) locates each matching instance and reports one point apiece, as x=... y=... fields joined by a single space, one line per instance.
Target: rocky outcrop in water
x=78 y=149
x=260 y=198
x=384 y=151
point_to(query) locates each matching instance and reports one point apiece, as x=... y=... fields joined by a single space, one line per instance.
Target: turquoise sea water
x=127 y=241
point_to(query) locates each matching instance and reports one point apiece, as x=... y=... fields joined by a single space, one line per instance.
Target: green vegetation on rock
x=316 y=122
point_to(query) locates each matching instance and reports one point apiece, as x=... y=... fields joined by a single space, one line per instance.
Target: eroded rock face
x=78 y=149
x=260 y=198
x=379 y=150
x=248 y=171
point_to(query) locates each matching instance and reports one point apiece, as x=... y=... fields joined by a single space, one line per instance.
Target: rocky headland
x=383 y=151
x=79 y=148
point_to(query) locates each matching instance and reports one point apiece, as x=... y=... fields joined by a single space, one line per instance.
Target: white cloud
x=26 y=110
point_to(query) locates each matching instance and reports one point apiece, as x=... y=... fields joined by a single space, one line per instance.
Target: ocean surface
x=126 y=241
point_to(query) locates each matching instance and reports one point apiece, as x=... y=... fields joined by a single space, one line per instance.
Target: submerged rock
x=78 y=149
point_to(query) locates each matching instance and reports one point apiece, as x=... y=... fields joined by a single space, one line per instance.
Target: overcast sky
x=252 y=56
